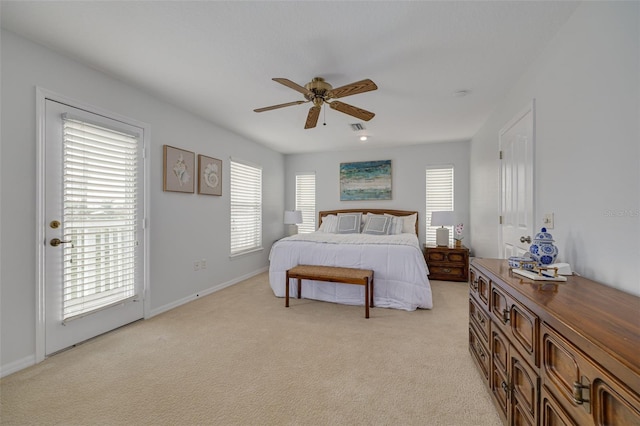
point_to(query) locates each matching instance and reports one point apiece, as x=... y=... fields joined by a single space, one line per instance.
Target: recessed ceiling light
x=461 y=93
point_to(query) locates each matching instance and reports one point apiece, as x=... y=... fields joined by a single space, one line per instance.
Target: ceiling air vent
x=356 y=127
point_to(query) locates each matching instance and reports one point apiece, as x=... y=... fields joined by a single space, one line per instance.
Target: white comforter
x=400 y=271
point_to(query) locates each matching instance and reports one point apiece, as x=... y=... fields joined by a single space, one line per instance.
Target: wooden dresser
x=555 y=353
x=447 y=263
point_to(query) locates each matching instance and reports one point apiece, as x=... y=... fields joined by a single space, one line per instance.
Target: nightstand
x=447 y=263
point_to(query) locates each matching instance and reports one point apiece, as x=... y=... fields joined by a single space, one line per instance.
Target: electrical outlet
x=547 y=220
x=196 y=266
x=203 y=264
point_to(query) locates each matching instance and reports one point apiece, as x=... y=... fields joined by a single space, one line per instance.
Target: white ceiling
x=216 y=59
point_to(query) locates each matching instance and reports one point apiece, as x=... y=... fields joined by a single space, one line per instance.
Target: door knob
x=526 y=239
x=55 y=242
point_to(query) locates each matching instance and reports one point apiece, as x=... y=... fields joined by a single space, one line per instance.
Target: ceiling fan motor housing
x=320 y=89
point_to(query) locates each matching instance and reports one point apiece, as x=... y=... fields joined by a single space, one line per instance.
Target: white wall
x=586 y=84
x=184 y=227
x=408 y=165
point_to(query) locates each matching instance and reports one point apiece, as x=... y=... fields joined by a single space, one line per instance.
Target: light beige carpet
x=239 y=357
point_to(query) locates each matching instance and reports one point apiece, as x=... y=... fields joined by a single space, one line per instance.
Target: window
x=439 y=197
x=306 y=201
x=246 y=207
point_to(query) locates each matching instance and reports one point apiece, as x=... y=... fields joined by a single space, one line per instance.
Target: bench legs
x=366 y=299
x=368 y=293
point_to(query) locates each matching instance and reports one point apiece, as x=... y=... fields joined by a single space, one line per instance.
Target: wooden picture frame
x=209 y=175
x=179 y=170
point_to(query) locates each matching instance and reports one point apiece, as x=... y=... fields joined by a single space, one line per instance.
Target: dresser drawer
x=587 y=393
x=551 y=413
x=519 y=324
x=480 y=353
x=479 y=287
x=481 y=320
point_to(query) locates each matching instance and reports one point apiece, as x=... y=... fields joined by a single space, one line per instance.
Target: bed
x=400 y=270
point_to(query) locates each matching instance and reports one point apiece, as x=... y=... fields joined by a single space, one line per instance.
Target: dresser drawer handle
x=577 y=393
x=480 y=318
x=482 y=355
x=505 y=387
x=446 y=270
x=506 y=316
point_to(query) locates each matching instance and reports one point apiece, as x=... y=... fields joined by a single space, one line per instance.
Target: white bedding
x=400 y=271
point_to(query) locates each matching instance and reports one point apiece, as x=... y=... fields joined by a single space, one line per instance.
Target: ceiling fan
x=319 y=92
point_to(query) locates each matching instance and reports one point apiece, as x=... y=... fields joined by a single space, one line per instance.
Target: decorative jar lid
x=543 y=236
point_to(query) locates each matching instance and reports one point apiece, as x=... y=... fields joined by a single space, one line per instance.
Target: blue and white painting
x=365 y=180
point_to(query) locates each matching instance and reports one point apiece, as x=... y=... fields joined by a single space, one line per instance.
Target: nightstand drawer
x=447 y=272
x=443 y=256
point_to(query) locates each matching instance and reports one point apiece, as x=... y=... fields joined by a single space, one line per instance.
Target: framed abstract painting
x=365 y=180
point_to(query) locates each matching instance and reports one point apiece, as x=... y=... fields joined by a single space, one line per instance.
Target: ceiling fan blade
x=351 y=110
x=269 y=108
x=312 y=117
x=290 y=84
x=352 y=89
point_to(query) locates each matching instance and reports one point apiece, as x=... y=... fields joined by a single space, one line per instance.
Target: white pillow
x=363 y=221
x=329 y=224
x=397 y=223
x=408 y=224
x=377 y=224
x=349 y=223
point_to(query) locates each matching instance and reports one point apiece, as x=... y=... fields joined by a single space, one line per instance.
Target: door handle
x=55 y=242
x=526 y=239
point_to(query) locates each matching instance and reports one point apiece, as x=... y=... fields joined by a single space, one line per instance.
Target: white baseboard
x=205 y=292
x=17 y=365
x=30 y=360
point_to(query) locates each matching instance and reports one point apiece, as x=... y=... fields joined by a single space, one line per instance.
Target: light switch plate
x=547 y=220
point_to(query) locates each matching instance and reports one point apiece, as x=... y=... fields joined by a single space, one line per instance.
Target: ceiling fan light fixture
x=364 y=138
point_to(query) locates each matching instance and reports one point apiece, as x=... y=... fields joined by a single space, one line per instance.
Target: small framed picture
x=179 y=170
x=209 y=175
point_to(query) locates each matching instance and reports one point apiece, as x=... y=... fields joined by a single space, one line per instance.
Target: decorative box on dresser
x=447 y=263
x=555 y=353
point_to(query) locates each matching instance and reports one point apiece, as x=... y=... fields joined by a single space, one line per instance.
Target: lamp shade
x=443 y=218
x=292 y=217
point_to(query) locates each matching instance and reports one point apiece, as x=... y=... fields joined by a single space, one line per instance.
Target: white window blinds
x=439 y=197
x=246 y=207
x=306 y=201
x=100 y=216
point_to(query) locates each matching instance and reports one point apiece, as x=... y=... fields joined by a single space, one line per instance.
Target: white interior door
x=93 y=231
x=516 y=184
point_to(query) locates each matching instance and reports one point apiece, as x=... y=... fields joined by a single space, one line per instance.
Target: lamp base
x=442 y=236
x=292 y=230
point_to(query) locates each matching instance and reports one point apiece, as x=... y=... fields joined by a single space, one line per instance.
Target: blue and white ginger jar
x=542 y=250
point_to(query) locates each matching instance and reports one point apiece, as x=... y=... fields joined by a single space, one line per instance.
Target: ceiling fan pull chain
x=324 y=117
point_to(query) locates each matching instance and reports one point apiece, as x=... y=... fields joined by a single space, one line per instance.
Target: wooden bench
x=332 y=274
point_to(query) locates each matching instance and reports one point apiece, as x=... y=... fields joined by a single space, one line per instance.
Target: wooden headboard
x=373 y=211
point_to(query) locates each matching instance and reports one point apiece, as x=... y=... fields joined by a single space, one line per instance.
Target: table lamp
x=292 y=218
x=442 y=219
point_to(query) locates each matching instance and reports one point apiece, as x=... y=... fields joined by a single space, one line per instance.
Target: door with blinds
x=94 y=215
